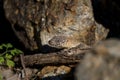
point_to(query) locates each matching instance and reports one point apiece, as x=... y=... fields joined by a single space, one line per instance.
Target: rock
x=102 y=63
x=8 y=74
x=37 y=22
x=52 y=71
x=17 y=74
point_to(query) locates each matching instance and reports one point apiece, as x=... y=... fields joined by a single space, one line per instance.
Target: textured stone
x=37 y=22
x=103 y=63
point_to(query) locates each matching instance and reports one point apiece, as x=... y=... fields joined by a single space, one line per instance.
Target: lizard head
x=58 y=41
x=62 y=42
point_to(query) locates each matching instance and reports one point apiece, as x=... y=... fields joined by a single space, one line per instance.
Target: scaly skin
x=63 y=42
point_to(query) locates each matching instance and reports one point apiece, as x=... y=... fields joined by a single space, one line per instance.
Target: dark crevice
x=6 y=33
x=107 y=12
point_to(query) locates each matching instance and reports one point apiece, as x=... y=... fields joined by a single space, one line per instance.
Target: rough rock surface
x=52 y=71
x=102 y=64
x=37 y=22
x=16 y=74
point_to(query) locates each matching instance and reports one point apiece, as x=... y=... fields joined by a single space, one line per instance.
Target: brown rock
x=102 y=64
x=8 y=74
x=49 y=71
x=36 y=23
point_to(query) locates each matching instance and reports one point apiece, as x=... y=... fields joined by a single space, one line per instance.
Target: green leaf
x=1 y=76
x=1 y=60
x=12 y=52
x=8 y=56
x=19 y=51
x=1 y=47
x=16 y=51
x=9 y=45
x=4 y=45
x=10 y=63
